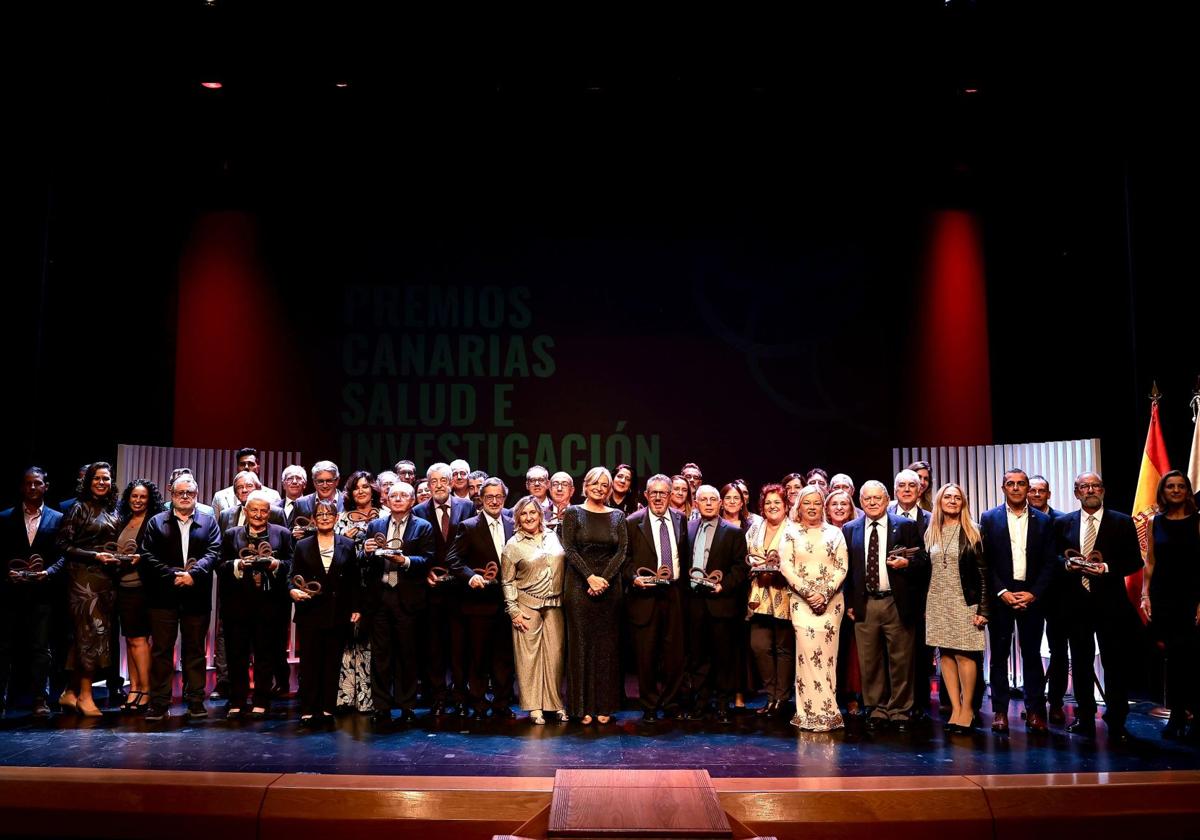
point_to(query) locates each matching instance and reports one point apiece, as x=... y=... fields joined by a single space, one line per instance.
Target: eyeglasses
x=493 y=497
x=536 y=480
x=561 y=484
x=1091 y=485
x=293 y=479
x=324 y=481
x=184 y=494
x=657 y=494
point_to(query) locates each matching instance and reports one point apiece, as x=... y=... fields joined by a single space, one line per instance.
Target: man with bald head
x=885 y=599
x=1096 y=604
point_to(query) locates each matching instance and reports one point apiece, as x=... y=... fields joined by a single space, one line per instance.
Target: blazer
x=1117 y=540
x=473 y=549
x=227 y=498
x=306 y=505
x=285 y=519
x=162 y=555
x=460 y=511
x=908 y=585
x=340 y=590
x=640 y=551
x=418 y=548
x=241 y=597
x=1039 y=551
x=727 y=554
x=15 y=545
x=229 y=517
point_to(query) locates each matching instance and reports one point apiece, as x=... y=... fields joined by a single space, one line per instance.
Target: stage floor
x=747 y=748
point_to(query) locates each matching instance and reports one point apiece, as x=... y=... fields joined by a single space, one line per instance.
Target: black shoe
x=1175 y=727
x=901 y=725
x=220 y=691
x=1084 y=727
x=381 y=719
x=766 y=709
x=233 y=713
x=876 y=724
x=649 y=716
x=196 y=710
x=1119 y=734
x=503 y=712
x=156 y=713
x=41 y=709
x=722 y=715
x=408 y=716
x=447 y=710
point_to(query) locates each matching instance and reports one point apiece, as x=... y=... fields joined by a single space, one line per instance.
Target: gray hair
x=259 y=496
x=493 y=482
x=440 y=467
x=246 y=474
x=906 y=475
x=326 y=466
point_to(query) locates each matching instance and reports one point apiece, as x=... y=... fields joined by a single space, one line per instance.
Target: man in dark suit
x=444 y=634
x=657 y=539
x=886 y=596
x=233 y=515
x=325 y=481
x=1058 y=671
x=180 y=549
x=254 y=604
x=480 y=540
x=1019 y=544
x=27 y=602
x=1097 y=606
x=907 y=487
x=294 y=481
x=394 y=598
x=713 y=614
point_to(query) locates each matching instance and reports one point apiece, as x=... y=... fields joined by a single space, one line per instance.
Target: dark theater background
x=364 y=246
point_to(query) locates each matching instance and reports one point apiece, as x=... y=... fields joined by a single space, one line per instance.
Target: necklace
x=954 y=540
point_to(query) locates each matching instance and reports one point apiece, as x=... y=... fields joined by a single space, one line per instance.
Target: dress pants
x=885 y=641
x=1115 y=637
x=445 y=640
x=1029 y=623
x=489 y=654
x=393 y=653
x=253 y=633
x=320 y=666
x=659 y=652
x=773 y=643
x=28 y=622
x=1059 y=669
x=165 y=625
x=711 y=662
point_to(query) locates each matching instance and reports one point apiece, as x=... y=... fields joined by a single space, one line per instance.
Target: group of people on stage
x=462 y=598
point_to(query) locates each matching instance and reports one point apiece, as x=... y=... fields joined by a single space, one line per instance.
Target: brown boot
x=1000 y=723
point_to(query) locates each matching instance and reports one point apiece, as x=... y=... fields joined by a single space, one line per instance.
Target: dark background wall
x=727 y=259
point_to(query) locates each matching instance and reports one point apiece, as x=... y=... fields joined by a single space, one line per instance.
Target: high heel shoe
x=88 y=711
x=536 y=717
x=68 y=702
x=563 y=717
x=133 y=702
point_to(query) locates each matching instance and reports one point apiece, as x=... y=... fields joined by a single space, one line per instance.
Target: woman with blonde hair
x=957 y=606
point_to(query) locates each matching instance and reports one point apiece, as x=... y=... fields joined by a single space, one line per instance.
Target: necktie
x=700 y=554
x=445 y=509
x=497 y=538
x=393 y=577
x=873 y=559
x=1089 y=542
x=287 y=510
x=664 y=545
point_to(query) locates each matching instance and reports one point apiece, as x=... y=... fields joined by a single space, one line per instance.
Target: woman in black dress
x=139 y=503
x=594 y=542
x=86 y=530
x=1172 y=584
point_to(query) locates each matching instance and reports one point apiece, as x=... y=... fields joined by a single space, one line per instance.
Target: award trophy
x=490 y=573
x=766 y=563
x=1094 y=562
x=709 y=581
x=660 y=578
x=24 y=571
x=304 y=524
x=312 y=587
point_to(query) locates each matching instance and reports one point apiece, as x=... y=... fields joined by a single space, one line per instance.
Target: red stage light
x=212 y=85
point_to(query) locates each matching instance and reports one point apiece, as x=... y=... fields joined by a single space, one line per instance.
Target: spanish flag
x=1154 y=464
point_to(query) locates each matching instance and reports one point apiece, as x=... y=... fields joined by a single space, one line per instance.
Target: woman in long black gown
x=1172 y=584
x=594 y=543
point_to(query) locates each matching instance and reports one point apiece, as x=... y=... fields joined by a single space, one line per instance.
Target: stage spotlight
x=212 y=85
x=341 y=84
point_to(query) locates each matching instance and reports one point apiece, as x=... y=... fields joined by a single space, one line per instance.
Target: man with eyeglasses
x=444 y=637
x=247 y=461
x=1096 y=604
x=325 y=477
x=406 y=471
x=694 y=476
x=394 y=599
x=479 y=541
x=460 y=482
x=657 y=540
x=537 y=482
x=562 y=488
x=295 y=482
x=179 y=551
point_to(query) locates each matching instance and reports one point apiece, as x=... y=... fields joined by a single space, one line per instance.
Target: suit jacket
x=162 y=554
x=227 y=498
x=418 y=548
x=285 y=518
x=460 y=511
x=923 y=519
x=339 y=594
x=306 y=505
x=241 y=597
x=908 y=585
x=640 y=552
x=728 y=555
x=1039 y=551
x=14 y=543
x=229 y=517
x=1117 y=540
x=473 y=549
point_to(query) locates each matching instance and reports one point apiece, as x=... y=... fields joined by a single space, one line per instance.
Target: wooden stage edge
x=132 y=804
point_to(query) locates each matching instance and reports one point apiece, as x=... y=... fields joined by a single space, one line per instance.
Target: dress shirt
x=911 y=513
x=656 y=531
x=496 y=527
x=395 y=530
x=1083 y=525
x=32 y=521
x=185 y=533
x=1018 y=536
x=885 y=585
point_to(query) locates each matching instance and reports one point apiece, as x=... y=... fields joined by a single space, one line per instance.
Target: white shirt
x=885 y=585
x=1018 y=535
x=395 y=530
x=496 y=527
x=32 y=521
x=655 y=529
x=911 y=513
x=185 y=533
